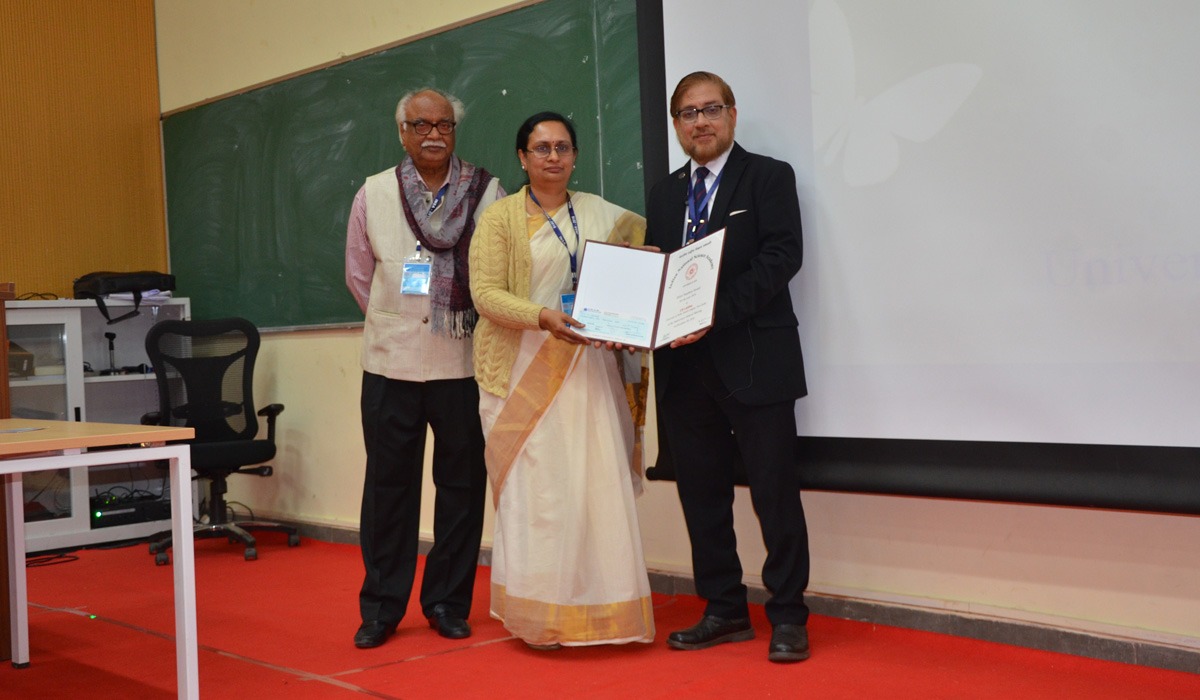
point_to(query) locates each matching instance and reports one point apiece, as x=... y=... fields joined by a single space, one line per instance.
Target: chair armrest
x=271 y=412
x=151 y=418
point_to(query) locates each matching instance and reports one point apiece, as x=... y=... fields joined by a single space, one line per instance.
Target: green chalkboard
x=259 y=185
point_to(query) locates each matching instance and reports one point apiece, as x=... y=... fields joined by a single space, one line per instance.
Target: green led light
x=98 y=514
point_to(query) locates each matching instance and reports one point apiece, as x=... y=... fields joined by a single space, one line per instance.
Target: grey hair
x=460 y=110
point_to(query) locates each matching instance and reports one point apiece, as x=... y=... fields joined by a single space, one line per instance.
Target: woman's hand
x=560 y=326
x=610 y=345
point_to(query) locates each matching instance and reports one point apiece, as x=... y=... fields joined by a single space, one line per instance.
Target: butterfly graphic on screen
x=865 y=132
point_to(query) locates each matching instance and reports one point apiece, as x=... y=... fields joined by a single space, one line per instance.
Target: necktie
x=699 y=216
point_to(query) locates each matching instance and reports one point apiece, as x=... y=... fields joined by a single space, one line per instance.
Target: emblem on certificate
x=646 y=299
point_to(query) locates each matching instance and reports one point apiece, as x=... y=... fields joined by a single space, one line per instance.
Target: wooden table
x=35 y=445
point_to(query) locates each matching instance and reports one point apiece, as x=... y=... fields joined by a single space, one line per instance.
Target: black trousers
x=707 y=429
x=394 y=416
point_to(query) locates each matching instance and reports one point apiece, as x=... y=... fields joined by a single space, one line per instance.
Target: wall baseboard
x=992 y=629
x=1013 y=632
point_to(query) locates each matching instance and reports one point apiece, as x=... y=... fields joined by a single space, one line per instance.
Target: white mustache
x=433 y=144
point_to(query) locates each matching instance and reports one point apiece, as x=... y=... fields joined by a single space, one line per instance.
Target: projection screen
x=999 y=206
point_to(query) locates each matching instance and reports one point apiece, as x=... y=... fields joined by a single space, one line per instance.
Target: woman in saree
x=567 y=563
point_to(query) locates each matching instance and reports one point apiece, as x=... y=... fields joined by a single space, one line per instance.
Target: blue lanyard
x=695 y=214
x=437 y=201
x=561 y=238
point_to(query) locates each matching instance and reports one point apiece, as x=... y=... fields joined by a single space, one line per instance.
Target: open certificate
x=646 y=299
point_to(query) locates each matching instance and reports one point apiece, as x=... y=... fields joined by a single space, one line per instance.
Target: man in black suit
x=730 y=391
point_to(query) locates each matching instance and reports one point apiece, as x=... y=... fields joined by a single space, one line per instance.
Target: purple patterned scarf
x=450 y=283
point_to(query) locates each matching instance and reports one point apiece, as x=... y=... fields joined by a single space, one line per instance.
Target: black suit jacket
x=754 y=343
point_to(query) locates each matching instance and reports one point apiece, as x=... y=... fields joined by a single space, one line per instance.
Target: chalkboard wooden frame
x=259 y=184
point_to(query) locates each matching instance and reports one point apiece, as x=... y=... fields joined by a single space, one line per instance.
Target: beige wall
x=1132 y=574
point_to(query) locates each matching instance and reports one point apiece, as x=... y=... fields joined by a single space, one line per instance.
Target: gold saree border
x=541 y=622
x=526 y=404
x=635 y=396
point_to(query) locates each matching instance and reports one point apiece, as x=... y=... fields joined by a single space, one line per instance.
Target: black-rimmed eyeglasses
x=710 y=112
x=423 y=127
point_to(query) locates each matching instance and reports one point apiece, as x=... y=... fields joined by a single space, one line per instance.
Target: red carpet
x=280 y=627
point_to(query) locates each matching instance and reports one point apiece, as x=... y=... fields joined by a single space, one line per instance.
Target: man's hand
x=688 y=339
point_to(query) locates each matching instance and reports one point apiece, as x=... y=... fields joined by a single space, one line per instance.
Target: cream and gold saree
x=567 y=563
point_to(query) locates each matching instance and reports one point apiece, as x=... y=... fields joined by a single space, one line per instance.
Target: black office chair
x=204 y=371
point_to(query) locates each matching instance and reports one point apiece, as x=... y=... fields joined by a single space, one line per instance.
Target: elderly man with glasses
x=728 y=394
x=407 y=245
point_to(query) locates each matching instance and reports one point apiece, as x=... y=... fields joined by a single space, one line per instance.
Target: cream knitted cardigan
x=501 y=267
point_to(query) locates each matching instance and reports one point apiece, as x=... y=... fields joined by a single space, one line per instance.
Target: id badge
x=567 y=301
x=415 y=278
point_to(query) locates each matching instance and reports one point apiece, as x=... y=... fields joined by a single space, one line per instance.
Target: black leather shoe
x=373 y=633
x=448 y=624
x=711 y=631
x=789 y=644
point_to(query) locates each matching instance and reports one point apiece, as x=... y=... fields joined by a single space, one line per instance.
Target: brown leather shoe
x=553 y=646
x=711 y=631
x=789 y=644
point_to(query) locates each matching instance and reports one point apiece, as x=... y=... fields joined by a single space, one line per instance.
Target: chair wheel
x=162 y=559
x=293 y=540
x=251 y=554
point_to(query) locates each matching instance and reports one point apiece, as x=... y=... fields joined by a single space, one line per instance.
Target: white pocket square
x=739 y=211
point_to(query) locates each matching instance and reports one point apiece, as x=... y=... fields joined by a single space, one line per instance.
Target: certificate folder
x=645 y=299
